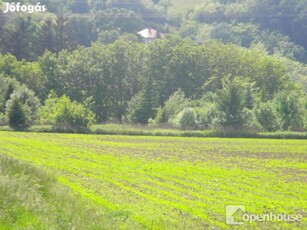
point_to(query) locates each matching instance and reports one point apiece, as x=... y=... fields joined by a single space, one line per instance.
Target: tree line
x=173 y=82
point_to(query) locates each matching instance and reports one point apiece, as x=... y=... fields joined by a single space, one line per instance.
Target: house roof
x=148 y=33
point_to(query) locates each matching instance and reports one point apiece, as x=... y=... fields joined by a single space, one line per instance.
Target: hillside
x=88 y=56
x=182 y=5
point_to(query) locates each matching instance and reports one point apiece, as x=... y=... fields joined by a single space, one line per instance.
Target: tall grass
x=32 y=199
x=143 y=130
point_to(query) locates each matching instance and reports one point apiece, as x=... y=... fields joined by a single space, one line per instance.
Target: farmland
x=133 y=182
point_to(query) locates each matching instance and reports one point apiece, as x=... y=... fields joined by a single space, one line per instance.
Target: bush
x=21 y=108
x=251 y=123
x=290 y=110
x=186 y=119
x=205 y=116
x=66 y=115
x=267 y=116
x=175 y=104
x=29 y=101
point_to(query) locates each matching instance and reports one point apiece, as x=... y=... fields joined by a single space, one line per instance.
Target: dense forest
x=221 y=64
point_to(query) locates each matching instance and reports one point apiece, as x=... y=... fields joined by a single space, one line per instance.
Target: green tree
x=269 y=76
x=18 y=38
x=144 y=105
x=117 y=18
x=65 y=37
x=80 y=6
x=175 y=103
x=231 y=105
x=108 y=36
x=7 y=87
x=46 y=37
x=31 y=75
x=120 y=79
x=206 y=114
x=18 y=116
x=290 y=110
x=248 y=99
x=81 y=29
x=267 y=116
x=29 y=101
x=186 y=119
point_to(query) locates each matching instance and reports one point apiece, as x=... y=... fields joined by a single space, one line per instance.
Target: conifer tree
x=17 y=115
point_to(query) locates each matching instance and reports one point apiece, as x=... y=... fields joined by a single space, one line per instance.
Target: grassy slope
x=32 y=199
x=172 y=182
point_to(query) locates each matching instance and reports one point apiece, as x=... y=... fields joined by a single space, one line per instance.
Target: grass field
x=139 y=182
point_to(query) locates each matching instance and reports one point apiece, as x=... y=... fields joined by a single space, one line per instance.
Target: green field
x=133 y=182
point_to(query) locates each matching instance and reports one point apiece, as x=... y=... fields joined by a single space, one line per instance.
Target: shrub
x=175 y=104
x=66 y=115
x=186 y=119
x=290 y=110
x=205 y=115
x=251 y=123
x=267 y=116
x=29 y=101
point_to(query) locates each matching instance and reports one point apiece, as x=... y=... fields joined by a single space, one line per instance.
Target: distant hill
x=183 y=5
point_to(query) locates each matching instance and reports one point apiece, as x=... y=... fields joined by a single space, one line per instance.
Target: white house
x=149 y=35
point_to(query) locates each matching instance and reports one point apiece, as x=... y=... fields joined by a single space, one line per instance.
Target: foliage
x=144 y=105
x=206 y=115
x=28 y=99
x=65 y=114
x=175 y=103
x=248 y=99
x=231 y=104
x=18 y=116
x=21 y=106
x=129 y=80
x=290 y=110
x=267 y=116
x=186 y=119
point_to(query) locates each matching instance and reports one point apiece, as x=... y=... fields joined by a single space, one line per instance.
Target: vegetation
x=229 y=60
x=218 y=68
x=128 y=82
x=64 y=114
x=17 y=115
x=33 y=199
x=153 y=182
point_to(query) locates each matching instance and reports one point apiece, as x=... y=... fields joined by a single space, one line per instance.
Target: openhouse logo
x=18 y=7
x=236 y=215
